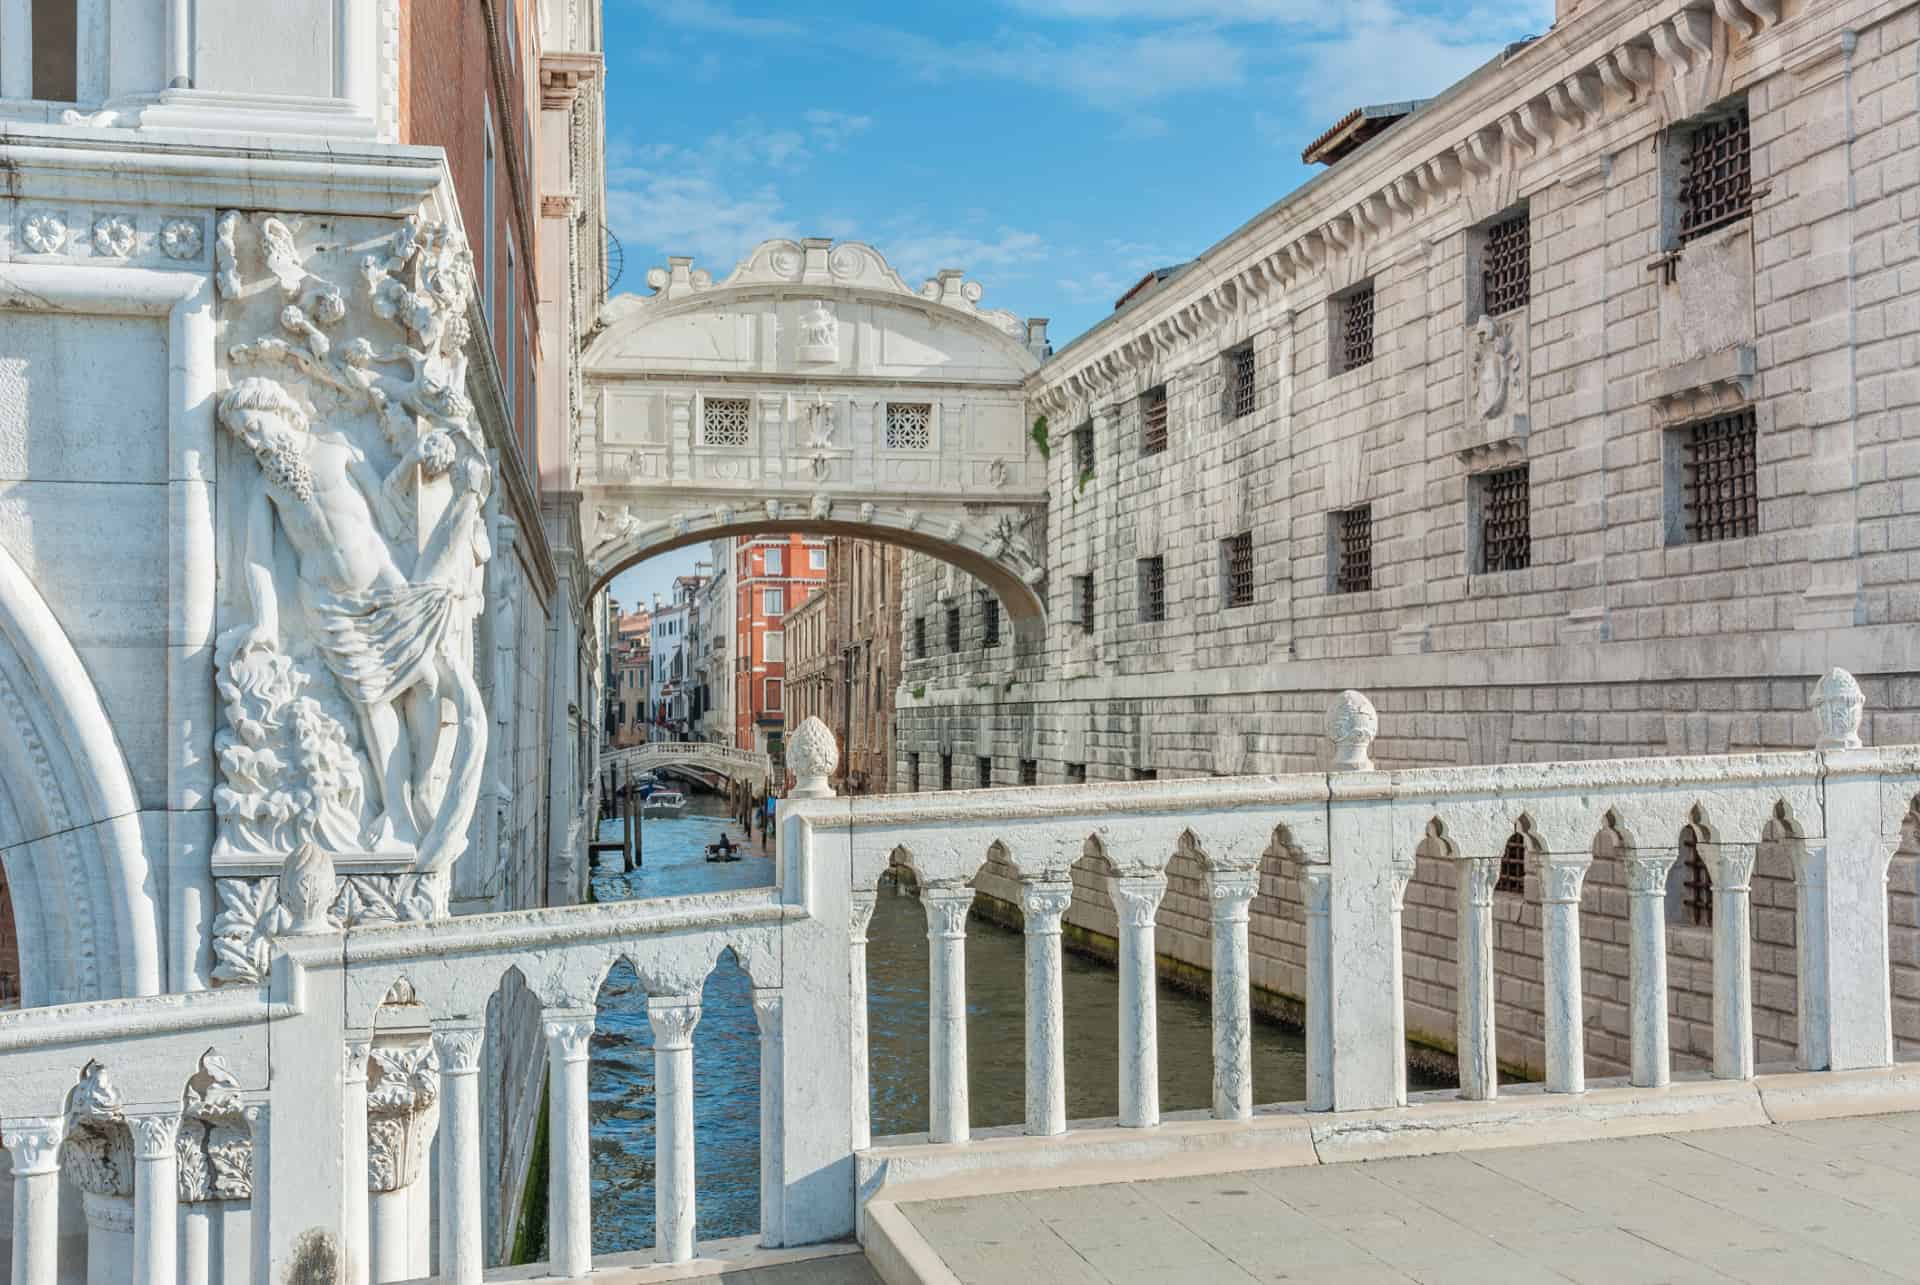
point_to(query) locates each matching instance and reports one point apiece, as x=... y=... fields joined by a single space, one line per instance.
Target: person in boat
x=725 y=845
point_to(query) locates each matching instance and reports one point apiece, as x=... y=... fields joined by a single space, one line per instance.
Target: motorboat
x=664 y=803
x=723 y=852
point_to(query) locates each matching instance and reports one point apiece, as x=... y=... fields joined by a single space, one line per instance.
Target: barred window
x=1153 y=420
x=953 y=629
x=990 y=622
x=1242 y=382
x=1513 y=867
x=913 y=772
x=919 y=637
x=1236 y=562
x=1696 y=883
x=1355 y=338
x=909 y=426
x=1083 y=450
x=946 y=771
x=1146 y=774
x=1083 y=602
x=1721 y=492
x=1506 y=266
x=1718 y=186
x=725 y=421
x=1506 y=531
x=1029 y=771
x=1353 y=549
x=1153 y=589
x=984 y=769
x=1076 y=774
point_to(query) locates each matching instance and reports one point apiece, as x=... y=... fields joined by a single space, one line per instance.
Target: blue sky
x=1055 y=149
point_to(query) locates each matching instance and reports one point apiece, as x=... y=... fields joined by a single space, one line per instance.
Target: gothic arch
x=84 y=899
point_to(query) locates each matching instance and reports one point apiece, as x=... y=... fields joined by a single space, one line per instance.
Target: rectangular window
x=1076 y=774
x=1083 y=451
x=1146 y=774
x=773 y=695
x=1153 y=420
x=913 y=772
x=512 y=344
x=773 y=602
x=946 y=771
x=773 y=645
x=1353 y=550
x=1719 y=476
x=816 y=559
x=725 y=421
x=1236 y=569
x=1153 y=589
x=990 y=622
x=953 y=629
x=1506 y=266
x=909 y=426
x=1083 y=602
x=1242 y=385
x=1029 y=771
x=56 y=50
x=489 y=179
x=1506 y=532
x=1717 y=187
x=1353 y=341
x=983 y=767
x=919 y=637
x=771 y=561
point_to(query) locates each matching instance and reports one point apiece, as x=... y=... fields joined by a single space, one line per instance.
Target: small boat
x=664 y=803
x=717 y=852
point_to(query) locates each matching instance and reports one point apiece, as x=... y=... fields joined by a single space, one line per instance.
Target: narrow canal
x=726 y=1045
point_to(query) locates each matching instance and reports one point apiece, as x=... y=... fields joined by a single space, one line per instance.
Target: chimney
x=1037 y=338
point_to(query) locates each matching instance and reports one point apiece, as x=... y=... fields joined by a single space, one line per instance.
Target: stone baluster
x=1229 y=892
x=1647 y=966
x=1316 y=891
x=569 y=1160
x=356 y=1201
x=769 y=1011
x=1474 y=1019
x=1136 y=900
x=861 y=915
x=462 y=1174
x=259 y=1118
x=156 y=1198
x=1043 y=901
x=34 y=1145
x=1562 y=876
x=673 y=1018
x=1400 y=873
x=1731 y=866
x=946 y=906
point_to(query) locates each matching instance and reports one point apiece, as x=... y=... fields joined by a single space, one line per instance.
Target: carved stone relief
x=252 y=914
x=215 y=1147
x=403 y=1096
x=1496 y=392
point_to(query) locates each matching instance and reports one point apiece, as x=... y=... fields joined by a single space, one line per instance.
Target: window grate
x=909 y=426
x=953 y=629
x=1153 y=589
x=1354 y=561
x=1513 y=867
x=913 y=772
x=725 y=421
x=919 y=637
x=1356 y=329
x=1243 y=374
x=1718 y=188
x=1722 y=483
x=1076 y=774
x=1238 y=551
x=1506 y=270
x=1083 y=602
x=990 y=622
x=946 y=771
x=984 y=769
x=1029 y=771
x=1506 y=531
x=1153 y=420
x=1146 y=774
x=1083 y=450
x=1699 y=882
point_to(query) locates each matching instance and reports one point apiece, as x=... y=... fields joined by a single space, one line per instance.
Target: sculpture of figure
x=390 y=640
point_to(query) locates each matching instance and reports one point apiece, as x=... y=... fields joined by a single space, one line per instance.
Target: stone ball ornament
x=1837 y=706
x=812 y=755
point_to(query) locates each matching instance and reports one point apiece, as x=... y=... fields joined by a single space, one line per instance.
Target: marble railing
x=211 y=1137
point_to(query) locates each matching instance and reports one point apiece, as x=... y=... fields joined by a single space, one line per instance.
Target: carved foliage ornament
x=252 y=915
x=403 y=1089
x=215 y=1146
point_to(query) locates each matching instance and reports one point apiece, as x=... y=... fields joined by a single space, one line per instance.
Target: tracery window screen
x=1506 y=530
x=1506 y=275
x=1722 y=492
x=1718 y=187
x=1513 y=867
x=1239 y=568
x=725 y=421
x=1356 y=328
x=909 y=426
x=1153 y=589
x=1153 y=420
x=1353 y=538
x=1244 y=388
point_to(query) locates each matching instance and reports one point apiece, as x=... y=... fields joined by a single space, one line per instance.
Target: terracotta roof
x=1356 y=127
x=1145 y=284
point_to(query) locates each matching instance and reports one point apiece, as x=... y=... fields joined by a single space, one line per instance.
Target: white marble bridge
x=728 y=760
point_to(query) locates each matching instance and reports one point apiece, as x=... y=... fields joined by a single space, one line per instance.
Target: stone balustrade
x=206 y=1134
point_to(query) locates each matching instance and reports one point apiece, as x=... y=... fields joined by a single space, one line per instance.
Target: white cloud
x=1386 y=52
x=681 y=211
x=918 y=252
x=833 y=130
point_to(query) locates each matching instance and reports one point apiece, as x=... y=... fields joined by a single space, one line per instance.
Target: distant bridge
x=725 y=759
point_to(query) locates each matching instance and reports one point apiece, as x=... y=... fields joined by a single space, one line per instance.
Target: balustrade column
x=861 y=914
x=946 y=906
x=1042 y=902
x=569 y=1160
x=1474 y=1022
x=1562 y=877
x=1316 y=890
x=769 y=1011
x=1136 y=899
x=1647 y=966
x=259 y=1118
x=1731 y=866
x=463 y=1232
x=355 y=1213
x=673 y=1018
x=35 y=1148
x=1229 y=892
x=156 y=1198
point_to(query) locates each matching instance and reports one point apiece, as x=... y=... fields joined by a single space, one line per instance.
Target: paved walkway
x=1830 y=1202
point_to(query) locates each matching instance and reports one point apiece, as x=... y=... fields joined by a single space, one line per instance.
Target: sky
x=1057 y=150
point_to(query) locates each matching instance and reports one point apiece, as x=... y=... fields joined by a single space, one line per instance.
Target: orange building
x=772 y=576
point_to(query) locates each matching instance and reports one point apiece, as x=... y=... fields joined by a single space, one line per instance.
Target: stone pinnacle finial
x=1351 y=726
x=1837 y=705
x=812 y=755
x=306 y=890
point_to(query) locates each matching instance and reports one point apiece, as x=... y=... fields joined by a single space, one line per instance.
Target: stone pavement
x=1828 y=1201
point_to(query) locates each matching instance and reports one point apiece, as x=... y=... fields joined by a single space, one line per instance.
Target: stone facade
x=843 y=660
x=1632 y=344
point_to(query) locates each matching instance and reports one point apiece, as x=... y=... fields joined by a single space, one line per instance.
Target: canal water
x=726 y=1044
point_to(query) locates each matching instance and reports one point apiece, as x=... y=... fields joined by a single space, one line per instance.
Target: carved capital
x=1231 y=892
x=1562 y=875
x=673 y=1018
x=946 y=906
x=769 y=1005
x=1402 y=874
x=860 y=914
x=34 y=1144
x=1136 y=898
x=1042 y=902
x=154 y=1136
x=1647 y=872
x=1730 y=864
x=458 y=1049
x=1478 y=875
x=353 y=1063
x=568 y=1038
x=403 y=1092
x=1316 y=887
